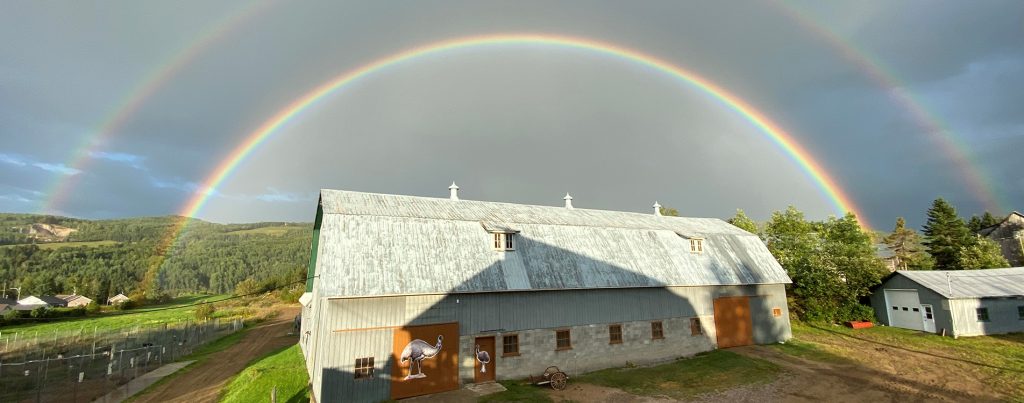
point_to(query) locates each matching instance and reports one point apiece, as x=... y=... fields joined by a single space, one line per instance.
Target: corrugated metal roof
x=971 y=283
x=375 y=244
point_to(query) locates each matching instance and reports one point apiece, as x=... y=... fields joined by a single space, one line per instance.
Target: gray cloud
x=521 y=123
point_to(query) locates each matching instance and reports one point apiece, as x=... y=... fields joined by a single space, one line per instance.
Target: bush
x=39 y=312
x=247 y=287
x=204 y=311
x=92 y=308
x=124 y=306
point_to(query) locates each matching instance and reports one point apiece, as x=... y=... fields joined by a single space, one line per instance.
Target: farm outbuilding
x=955 y=303
x=413 y=295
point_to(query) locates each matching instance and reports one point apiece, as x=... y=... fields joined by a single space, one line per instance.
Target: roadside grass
x=686 y=378
x=143 y=317
x=283 y=369
x=61 y=245
x=518 y=391
x=999 y=357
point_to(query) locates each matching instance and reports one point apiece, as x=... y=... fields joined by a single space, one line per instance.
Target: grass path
x=283 y=369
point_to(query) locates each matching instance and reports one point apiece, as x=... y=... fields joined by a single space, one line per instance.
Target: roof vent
x=657 y=209
x=455 y=191
x=568 y=201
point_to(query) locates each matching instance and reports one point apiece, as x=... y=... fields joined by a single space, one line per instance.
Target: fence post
x=273 y=395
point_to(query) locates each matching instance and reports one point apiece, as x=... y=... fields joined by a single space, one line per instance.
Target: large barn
x=953 y=302
x=412 y=295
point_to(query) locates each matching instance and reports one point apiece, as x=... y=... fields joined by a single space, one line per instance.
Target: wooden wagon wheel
x=558 y=381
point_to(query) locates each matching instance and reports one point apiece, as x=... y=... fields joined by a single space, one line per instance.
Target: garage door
x=904 y=309
x=426 y=360
x=732 y=322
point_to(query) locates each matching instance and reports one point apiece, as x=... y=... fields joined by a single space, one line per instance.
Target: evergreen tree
x=945 y=235
x=985 y=254
x=905 y=243
x=743 y=222
x=984 y=221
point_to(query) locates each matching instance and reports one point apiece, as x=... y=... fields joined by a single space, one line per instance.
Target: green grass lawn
x=283 y=369
x=145 y=316
x=1001 y=357
x=685 y=378
x=59 y=245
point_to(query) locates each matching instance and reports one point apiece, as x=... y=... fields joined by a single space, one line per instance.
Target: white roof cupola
x=454 y=191
x=657 y=209
x=568 y=201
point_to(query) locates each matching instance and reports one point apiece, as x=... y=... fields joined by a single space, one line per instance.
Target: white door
x=904 y=309
x=928 y=317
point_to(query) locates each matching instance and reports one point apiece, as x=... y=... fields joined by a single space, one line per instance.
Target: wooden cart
x=551 y=376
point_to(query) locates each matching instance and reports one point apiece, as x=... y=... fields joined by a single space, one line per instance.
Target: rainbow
x=954 y=148
x=146 y=88
x=784 y=141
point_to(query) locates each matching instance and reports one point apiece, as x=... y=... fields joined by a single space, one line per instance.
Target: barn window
x=696 y=245
x=364 y=368
x=562 y=341
x=895 y=308
x=906 y=309
x=695 y=329
x=982 y=314
x=776 y=312
x=504 y=241
x=1020 y=312
x=615 y=334
x=917 y=310
x=510 y=345
x=657 y=331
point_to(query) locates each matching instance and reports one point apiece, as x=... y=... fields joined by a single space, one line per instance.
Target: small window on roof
x=696 y=245
x=504 y=241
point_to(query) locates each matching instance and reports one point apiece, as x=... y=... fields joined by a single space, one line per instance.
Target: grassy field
x=145 y=316
x=59 y=245
x=283 y=369
x=274 y=231
x=1000 y=358
x=685 y=378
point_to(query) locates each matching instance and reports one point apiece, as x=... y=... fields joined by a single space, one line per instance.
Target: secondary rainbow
x=784 y=141
x=82 y=155
x=951 y=145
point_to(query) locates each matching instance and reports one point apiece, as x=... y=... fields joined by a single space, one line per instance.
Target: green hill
x=103 y=257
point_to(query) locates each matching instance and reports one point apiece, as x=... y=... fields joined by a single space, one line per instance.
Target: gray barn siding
x=491 y=313
x=1002 y=313
x=482 y=312
x=940 y=309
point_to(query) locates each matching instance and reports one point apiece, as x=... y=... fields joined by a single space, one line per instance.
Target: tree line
x=834 y=263
x=205 y=257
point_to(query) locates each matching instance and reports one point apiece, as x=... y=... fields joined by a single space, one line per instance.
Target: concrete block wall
x=591 y=349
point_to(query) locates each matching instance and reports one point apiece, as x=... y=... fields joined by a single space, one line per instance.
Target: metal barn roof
x=376 y=244
x=987 y=283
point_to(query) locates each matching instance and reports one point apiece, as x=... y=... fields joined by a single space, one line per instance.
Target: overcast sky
x=521 y=124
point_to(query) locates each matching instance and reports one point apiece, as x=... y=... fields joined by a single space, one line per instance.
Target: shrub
x=247 y=287
x=39 y=312
x=204 y=311
x=92 y=308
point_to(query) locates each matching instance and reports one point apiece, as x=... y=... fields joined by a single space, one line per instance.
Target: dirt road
x=203 y=382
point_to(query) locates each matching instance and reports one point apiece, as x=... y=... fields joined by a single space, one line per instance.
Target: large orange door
x=483 y=370
x=732 y=322
x=426 y=360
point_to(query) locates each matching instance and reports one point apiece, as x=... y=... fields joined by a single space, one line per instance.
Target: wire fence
x=83 y=367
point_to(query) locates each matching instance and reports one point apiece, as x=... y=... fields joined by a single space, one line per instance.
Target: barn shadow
x=554 y=288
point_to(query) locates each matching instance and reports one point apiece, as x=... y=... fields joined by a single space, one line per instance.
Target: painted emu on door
x=415 y=352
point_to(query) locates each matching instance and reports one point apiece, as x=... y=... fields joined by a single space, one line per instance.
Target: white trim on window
x=504 y=241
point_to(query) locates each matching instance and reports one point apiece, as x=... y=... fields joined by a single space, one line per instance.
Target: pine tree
x=743 y=222
x=905 y=244
x=946 y=235
x=978 y=223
